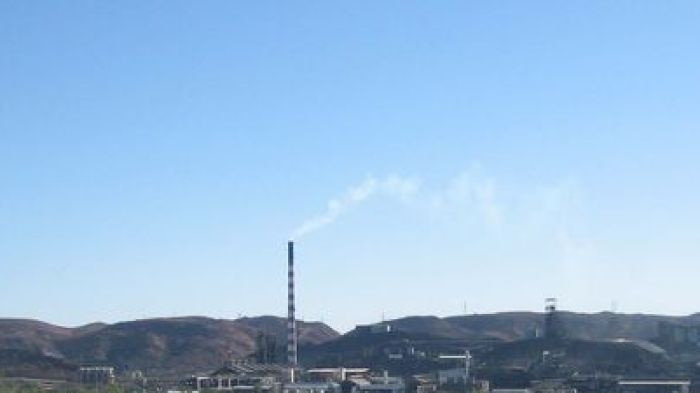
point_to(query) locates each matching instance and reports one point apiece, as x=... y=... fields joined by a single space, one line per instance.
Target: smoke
x=393 y=186
x=515 y=224
x=470 y=189
x=474 y=190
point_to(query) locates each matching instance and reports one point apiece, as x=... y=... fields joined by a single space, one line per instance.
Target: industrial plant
x=517 y=352
x=392 y=357
x=453 y=196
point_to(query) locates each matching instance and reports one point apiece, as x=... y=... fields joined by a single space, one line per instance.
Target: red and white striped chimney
x=291 y=321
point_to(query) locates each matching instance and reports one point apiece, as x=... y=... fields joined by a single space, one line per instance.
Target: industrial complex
x=503 y=353
x=399 y=363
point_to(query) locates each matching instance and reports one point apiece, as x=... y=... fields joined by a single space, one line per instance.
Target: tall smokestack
x=291 y=321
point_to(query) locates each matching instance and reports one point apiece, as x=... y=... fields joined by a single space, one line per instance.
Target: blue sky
x=156 y=156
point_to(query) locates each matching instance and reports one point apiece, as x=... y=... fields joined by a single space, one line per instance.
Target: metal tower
x=553 y=327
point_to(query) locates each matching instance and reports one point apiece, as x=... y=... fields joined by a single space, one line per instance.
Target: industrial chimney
x=291 y=321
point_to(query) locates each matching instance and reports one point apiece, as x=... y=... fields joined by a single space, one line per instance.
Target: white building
x=336 y=374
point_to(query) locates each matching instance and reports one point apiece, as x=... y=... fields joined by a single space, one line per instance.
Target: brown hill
x=185 y=344
x=189 y=344
x=33 y=336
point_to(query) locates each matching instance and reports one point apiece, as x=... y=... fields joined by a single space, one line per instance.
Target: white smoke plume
x=393 y=186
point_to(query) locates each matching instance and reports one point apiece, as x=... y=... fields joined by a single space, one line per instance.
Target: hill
x=191 y=344
x=510 y=326
x=185 y=344
x=603 y=342
x=582 y=356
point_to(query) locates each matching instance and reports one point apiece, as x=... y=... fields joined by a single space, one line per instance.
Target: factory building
x=102 y=375
x=383 y=384
x=239 y=377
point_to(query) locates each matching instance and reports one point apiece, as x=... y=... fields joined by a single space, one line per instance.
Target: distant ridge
x=195 y=344
x=516 y=325
x=599 y=342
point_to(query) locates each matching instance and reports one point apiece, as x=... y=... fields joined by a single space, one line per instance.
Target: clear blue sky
x=155 y=157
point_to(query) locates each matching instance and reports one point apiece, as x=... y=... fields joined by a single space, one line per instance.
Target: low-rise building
x=336 y=374
x=383 y=384
x=102 y=375
x=239 y=377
